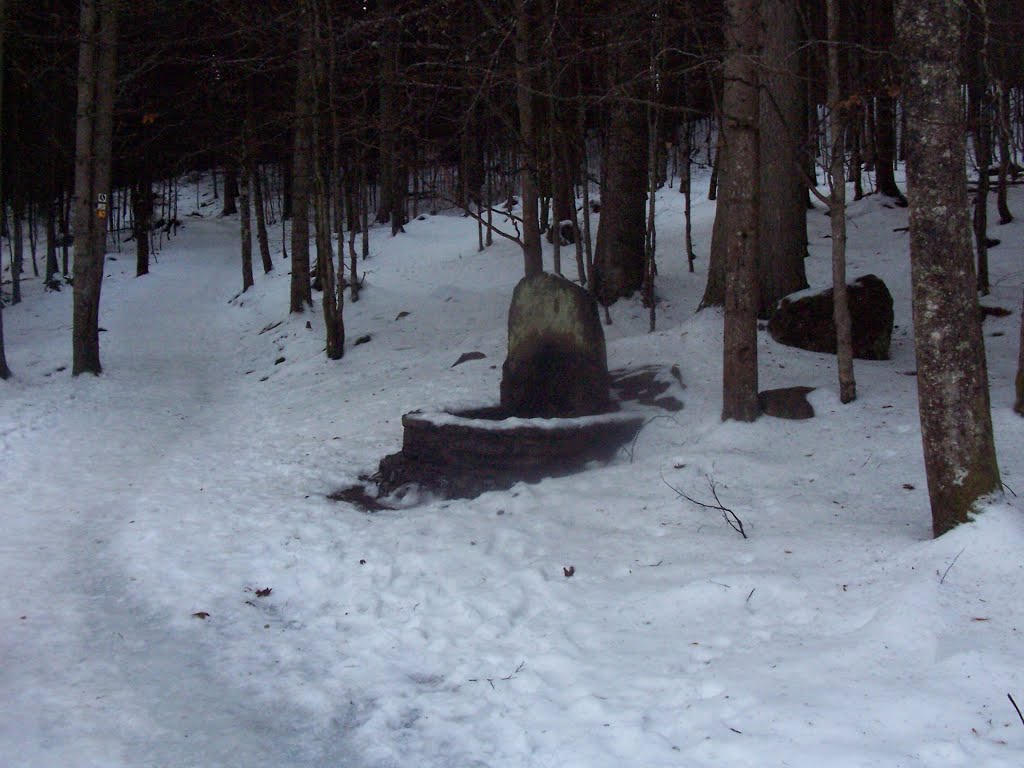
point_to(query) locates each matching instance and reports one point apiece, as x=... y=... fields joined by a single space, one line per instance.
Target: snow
x=194 y=473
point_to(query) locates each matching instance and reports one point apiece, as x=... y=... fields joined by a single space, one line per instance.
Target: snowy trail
x=192 y=477
x=121 y=686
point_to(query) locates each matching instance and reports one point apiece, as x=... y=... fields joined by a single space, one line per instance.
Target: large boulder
x=805 y=320
x=557 y=365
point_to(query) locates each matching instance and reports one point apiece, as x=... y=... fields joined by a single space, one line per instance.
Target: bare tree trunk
x=393 y=181
x=245 y=227
x=837 y=214
x=142 y=216
x=301 y=293
x=17 y=250
x=620 y=259
x=533 y=259
x=740 y=198
x=1018 y=405
x=714 y=289
x=261 y=216
x=50 y=272
x=93 y=138
x=230 y=191
x=1003 y=107
x=983 y=151
x=5 y=371
x=782 y=241
x=952 y=381
x=333 y=281
x=685 y=183
x=885 y=148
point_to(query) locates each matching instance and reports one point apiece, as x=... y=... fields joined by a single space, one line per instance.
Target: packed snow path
x=90 y=675
x=192 y=477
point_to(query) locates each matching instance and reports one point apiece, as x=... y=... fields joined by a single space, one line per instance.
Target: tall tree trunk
x=333 y=282
x=952 y=382
x=782 y=243
x=1003 y=107
x=885 y=148
x=393 y=182
x=983 y=151
x=620 y=251
x=51 y=245
x=261 y=217
x=230 y=191
x=533 y=259
x=686 y=185
x=142 y=216
x=740 y=199
x=301 y=293
x=837 y=214
x=1018 y=405
x=5 y=371
x=93 y=138
x=17 y=249
x=245 y=229
x=714 y=289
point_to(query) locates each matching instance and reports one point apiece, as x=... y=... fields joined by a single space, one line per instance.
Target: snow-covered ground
x=193 y=475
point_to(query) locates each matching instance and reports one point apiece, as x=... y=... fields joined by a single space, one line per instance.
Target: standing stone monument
x=557 y=365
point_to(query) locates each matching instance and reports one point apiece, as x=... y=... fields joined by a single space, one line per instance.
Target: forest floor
x=179 y=590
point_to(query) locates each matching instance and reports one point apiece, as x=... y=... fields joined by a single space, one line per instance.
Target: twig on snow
x=951 y=565
x=1015 y=707
x=632 y=446
x=510 y=676
x=728 y=515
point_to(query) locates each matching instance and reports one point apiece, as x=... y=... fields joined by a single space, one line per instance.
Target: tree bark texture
x=956 y=422
x=93 y=138
x=782 y=244
x=740 y=198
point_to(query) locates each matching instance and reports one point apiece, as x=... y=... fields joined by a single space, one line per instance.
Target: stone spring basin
x=464 y=453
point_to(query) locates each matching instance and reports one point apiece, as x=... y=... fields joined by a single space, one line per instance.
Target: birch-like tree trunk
x=952 y=381
x=739 y=195
x=93 y=138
